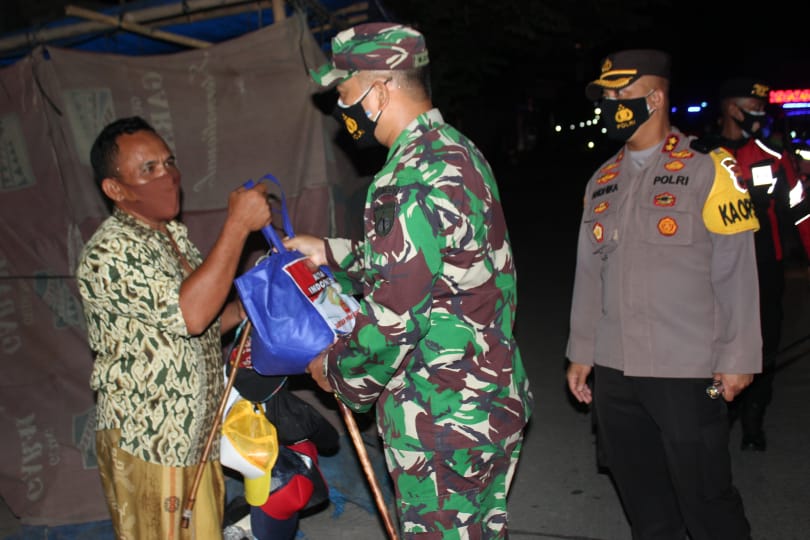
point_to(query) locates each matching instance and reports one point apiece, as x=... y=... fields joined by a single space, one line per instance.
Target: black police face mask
x=752 y=122
x=357 y=121
x=623 y=117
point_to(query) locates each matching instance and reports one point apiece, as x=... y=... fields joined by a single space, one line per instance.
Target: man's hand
x=232 y=315
x=577 y=375
x=315 y=369
x=311 y=246
x=248 y=207
x=204 y=291
x=733 y=383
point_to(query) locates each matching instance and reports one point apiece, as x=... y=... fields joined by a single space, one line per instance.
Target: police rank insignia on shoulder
x=385 y=209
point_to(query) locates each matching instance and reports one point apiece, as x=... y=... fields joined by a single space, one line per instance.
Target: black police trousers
x=665 y=443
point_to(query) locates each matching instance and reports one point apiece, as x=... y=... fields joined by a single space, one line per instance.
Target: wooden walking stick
x=192 y=497
x=360 y=446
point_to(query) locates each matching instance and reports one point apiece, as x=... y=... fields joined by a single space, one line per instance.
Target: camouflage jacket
x=434 y=344
x=155 y=382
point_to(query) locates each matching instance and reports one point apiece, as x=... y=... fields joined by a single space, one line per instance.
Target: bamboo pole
x=137 y=28
x=192 y=496
x=362 y=453
x=189 y=11
x=161 y=13
x=278 y=11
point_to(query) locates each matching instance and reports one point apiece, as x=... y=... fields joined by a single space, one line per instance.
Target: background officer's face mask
x=623 y=117
x=357 y=121
x=752 y=122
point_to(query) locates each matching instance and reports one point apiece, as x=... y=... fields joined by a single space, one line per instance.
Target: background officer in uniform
x=770 y=176
x=663 y=289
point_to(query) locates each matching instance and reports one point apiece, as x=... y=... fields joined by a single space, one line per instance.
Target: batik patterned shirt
x=158 y=384
x=433 y=345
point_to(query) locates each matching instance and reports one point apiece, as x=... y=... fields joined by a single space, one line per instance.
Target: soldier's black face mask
x=357 y=121
x=623 y=117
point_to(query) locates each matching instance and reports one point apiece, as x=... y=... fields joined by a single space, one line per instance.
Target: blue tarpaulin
x=97 y=530
x=229 y=20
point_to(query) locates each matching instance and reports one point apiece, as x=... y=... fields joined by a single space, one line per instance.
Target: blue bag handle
x=269 y=232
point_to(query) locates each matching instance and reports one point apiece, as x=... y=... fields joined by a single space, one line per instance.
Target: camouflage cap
x=744 y=87
x=623 y=68
x=372 y=46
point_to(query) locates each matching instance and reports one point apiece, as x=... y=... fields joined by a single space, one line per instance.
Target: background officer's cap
x=373 y=46
x=743 y=87
x=623 y=68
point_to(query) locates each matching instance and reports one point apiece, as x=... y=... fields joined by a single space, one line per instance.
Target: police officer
x=770 y=176
x=664 y=281
x=433 y=347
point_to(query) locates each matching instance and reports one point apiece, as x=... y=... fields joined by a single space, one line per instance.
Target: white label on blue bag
x=338 y=309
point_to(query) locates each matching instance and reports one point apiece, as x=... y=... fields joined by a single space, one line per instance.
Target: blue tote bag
x=296 y=309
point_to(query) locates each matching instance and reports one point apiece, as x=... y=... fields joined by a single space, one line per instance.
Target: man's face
x=148 y=177
x=143 y=157
x=350 y=90
x=639 y=88
x=626 y=110
x=750 y=104
x=358 y=109
x=749 y=114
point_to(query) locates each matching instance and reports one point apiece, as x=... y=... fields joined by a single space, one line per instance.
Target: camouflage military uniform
x=433 y=346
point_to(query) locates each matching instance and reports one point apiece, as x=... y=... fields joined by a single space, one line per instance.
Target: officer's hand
x=311 y=246
x=577 y=376
x=733 y=383
x=316 y=371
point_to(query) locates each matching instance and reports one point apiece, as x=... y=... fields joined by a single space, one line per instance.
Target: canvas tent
x=232 y=111
x=149 y=27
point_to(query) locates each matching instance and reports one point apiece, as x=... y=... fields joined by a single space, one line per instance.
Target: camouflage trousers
x=455 y=494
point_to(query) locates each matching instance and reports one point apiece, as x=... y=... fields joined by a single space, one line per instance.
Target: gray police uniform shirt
x=666 y=280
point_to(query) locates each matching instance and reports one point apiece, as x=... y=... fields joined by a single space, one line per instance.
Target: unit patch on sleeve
x=385 y=209
x=728 y=208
